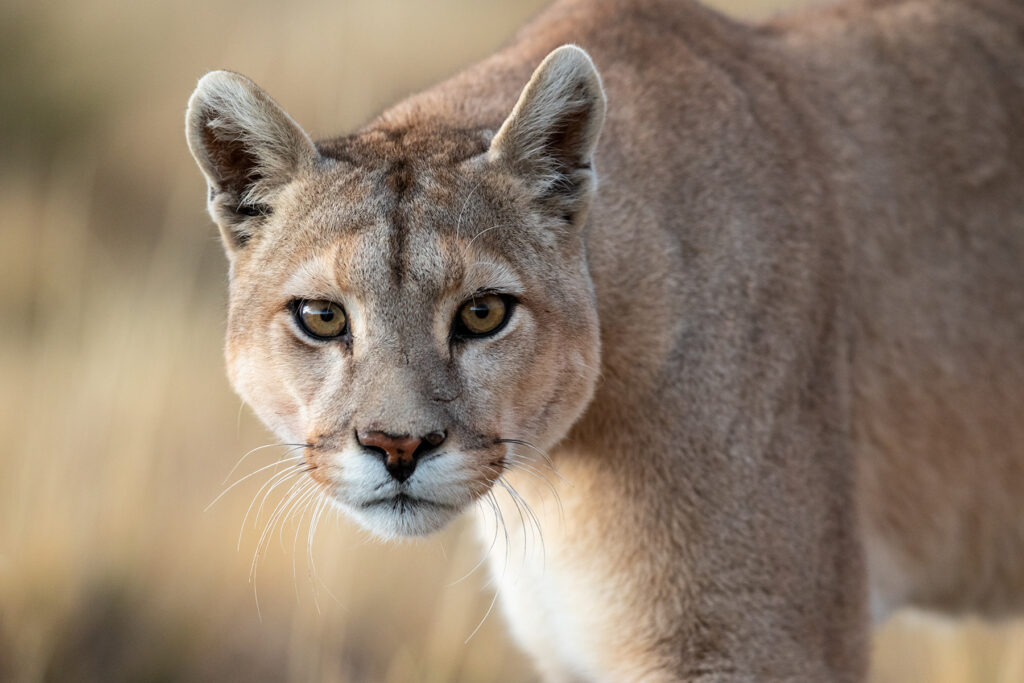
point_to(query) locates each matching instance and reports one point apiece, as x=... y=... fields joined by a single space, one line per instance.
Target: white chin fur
x=432 y=497
x=398 y=518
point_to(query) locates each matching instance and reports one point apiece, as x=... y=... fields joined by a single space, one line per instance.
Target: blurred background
x=117 y=426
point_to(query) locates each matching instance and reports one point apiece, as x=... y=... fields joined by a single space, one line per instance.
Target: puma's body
x=807 y=257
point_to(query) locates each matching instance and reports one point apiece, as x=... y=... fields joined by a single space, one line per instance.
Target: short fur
x=775 y=357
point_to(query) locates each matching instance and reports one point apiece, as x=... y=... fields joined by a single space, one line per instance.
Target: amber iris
x=483 y=314
x=321 y=319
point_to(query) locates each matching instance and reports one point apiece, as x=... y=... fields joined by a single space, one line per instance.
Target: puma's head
x=408 y=302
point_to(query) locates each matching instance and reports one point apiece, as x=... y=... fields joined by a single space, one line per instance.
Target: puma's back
x=927 y=161
x=748 y=306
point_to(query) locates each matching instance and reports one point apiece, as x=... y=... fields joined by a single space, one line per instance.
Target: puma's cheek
x=271 y=401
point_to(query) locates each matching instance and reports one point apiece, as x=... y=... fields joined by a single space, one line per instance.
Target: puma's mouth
x=401 y=502
x=436 y=492
x=403 y=514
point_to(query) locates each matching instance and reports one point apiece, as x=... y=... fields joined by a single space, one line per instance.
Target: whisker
x=458 y=221
x=494 y=539
x=508 y=540
x=516 y=496
x=249 y=476
x=297 y=511
x=517 y=464
x=260 y=448
x=298 y=469
x=282 y=512
x=490 y=608
x=521 y=464
x=273 y=482
x=238 y=419
x=306 y=501
x=542 y=454
x=325 y=503
x=268 y=529
x=497 y=590
x=465 y=249
x=256 y=554
x=522 y=519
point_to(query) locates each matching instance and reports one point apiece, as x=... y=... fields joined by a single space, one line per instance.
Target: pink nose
x=396 y=447
x=400 y=451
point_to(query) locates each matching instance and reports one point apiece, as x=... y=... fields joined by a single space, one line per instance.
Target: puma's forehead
x=407 y=147
x=406 y=177
x=428 y=264
x=390 y=207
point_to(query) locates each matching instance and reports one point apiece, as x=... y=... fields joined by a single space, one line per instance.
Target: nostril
x=435 y=439
x=429 y=443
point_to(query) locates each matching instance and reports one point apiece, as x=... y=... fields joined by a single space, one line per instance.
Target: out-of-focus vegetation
x=117 y=426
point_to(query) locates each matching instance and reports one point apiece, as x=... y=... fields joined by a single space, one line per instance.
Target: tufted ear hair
x=550 y=136
x=247 y=147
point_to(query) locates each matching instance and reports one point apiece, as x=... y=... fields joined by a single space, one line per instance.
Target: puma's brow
x=315 y=278
x=490 y=276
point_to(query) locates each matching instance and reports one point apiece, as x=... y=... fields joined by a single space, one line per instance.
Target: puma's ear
x=549 y=137
x=247 y=147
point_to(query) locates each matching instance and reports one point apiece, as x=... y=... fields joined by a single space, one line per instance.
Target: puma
x=728 y=339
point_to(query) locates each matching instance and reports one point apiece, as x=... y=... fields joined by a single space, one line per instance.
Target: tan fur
x=774 y=352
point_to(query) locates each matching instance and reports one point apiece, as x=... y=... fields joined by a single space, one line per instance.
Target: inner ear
x=568 y=141
x=234 y=165
x=550 y=136
x=247 y=147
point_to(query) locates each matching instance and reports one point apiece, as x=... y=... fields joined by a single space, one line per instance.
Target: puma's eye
x=321 y=319
x=482 y=315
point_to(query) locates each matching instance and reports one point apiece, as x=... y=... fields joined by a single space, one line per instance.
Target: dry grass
x=116 y=422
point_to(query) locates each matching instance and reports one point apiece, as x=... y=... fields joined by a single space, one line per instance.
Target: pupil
x=480 y=310
x=327 y=316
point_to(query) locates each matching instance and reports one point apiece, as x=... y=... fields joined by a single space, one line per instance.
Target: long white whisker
x=273 y=482
x=238 y=419
x=249 y=476
x=302 y=506
x=518 y=463
x=531 y=514
x=314 y=577
x=497 y=590
x=458 y=221
x=308 y=487
x=298 y=470
x=272 y=521
x=545 y=456
x=522 y=520
x=465 y=249
x=521 y=464
x=260 y=448
x=494 y=539
x=256 y=555
x=281 y=512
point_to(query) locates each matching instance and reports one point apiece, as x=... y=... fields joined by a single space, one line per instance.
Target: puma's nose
x=400 y=452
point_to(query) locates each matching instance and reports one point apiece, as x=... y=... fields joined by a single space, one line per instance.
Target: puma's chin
x=402 y=515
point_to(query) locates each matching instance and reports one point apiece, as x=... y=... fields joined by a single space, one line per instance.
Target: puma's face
x=411 y=304
x=405 y=321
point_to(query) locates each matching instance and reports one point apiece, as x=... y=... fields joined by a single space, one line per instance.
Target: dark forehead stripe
x=400 y=157
x=382 y=145
x=400 y=183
